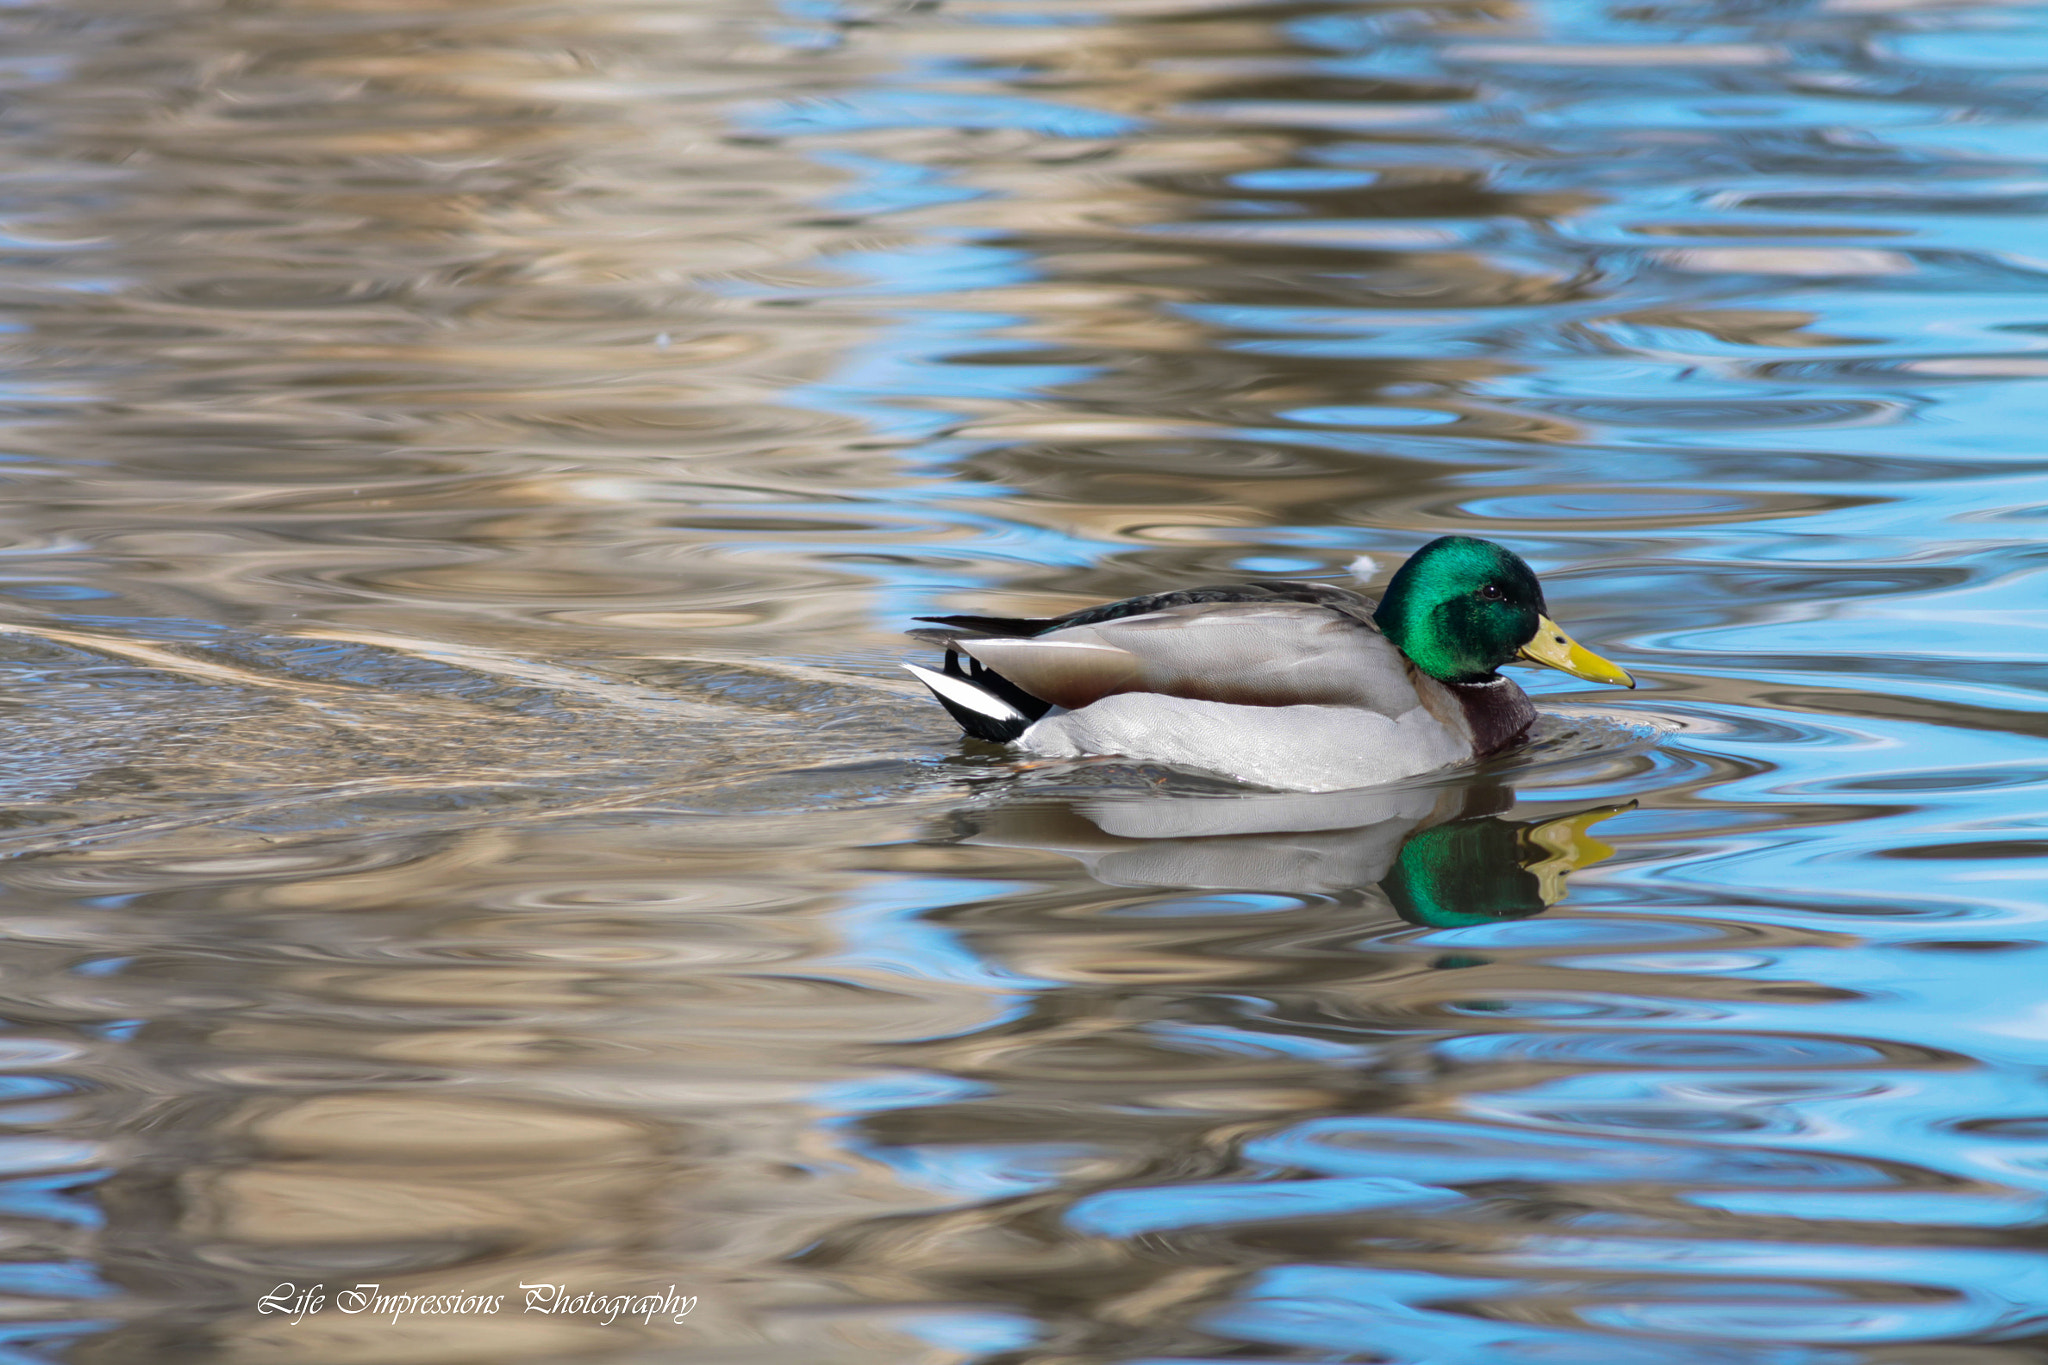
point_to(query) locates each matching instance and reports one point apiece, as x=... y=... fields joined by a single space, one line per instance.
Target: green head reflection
x=1484 y=870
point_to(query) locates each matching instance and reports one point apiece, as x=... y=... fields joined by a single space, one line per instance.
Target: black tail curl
x=1026 y=708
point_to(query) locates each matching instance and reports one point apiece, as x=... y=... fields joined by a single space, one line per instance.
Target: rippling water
x=466 y=467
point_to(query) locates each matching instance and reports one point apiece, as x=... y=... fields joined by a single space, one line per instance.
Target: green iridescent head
x=1462 y=607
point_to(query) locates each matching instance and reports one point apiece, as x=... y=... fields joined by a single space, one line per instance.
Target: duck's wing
x=1259 y=653
x=1274 y=590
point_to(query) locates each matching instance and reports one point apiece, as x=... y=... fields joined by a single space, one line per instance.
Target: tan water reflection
x=502 y=1060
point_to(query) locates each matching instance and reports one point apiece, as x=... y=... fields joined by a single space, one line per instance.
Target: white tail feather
x=963 y=693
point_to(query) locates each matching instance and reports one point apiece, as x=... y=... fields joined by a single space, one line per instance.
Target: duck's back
x=1272 y=644
x=1245 y=653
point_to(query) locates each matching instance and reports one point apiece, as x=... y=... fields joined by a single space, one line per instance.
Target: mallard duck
x=1297 y=685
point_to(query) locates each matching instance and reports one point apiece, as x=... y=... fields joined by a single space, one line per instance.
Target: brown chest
x=1495 y=714
x=1499 y=713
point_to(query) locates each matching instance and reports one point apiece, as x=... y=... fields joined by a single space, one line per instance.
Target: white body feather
x=1302 y=748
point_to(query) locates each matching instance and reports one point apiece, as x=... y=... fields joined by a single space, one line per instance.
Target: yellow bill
x=1554 y=649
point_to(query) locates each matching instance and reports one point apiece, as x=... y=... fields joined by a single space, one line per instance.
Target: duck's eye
x=1492 y=593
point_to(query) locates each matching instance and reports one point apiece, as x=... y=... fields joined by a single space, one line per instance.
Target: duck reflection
x=1440 y=857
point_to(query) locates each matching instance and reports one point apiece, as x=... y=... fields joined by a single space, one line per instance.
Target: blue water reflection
x=1753 y=401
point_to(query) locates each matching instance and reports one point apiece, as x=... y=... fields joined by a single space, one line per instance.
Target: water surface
x=466 y=469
